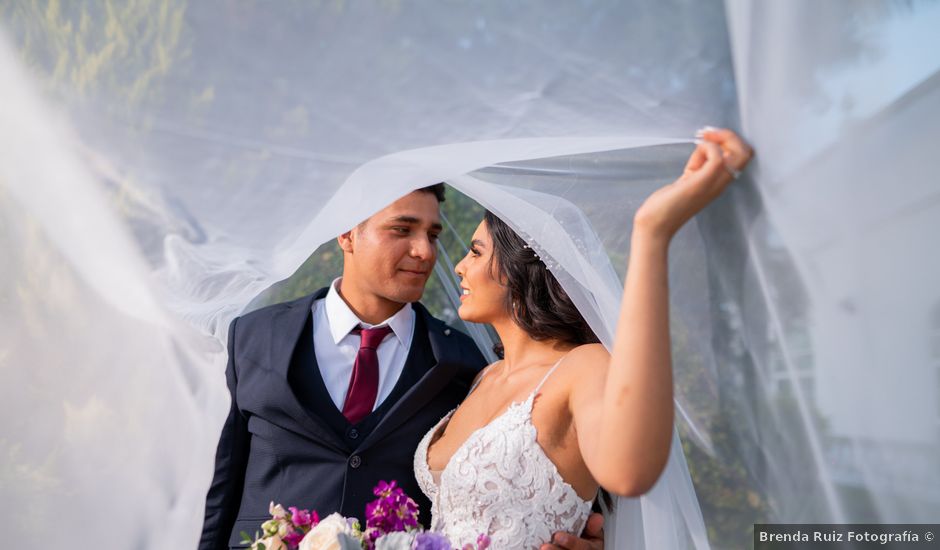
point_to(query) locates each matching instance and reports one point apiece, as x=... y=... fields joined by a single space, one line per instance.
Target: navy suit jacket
x=285 y=441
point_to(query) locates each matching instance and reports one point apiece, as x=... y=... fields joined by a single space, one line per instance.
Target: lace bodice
x=500 y=482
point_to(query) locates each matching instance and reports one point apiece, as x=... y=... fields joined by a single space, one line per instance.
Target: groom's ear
x=346 y=242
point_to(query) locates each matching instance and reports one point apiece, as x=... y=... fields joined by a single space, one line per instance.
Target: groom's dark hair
x=437 y=190
x=535 y=299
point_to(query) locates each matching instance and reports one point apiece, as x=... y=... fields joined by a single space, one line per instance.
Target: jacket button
x=353 y=433
x=446 y=332
x=355 y=461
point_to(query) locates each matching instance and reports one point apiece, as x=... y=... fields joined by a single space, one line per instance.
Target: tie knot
x=372 y=337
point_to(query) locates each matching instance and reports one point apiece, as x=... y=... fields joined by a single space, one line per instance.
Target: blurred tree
x=121 y=49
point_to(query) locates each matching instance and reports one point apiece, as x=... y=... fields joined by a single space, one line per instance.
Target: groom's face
x=390 y=256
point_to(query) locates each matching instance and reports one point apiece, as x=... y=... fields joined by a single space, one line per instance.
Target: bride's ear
x=346 y=242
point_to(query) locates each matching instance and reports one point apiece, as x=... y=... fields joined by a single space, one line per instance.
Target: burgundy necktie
x=364 y=384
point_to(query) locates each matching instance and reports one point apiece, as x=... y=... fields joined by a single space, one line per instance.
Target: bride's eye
x=473 y=252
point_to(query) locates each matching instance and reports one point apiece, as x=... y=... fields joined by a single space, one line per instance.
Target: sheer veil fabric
x=164 y=163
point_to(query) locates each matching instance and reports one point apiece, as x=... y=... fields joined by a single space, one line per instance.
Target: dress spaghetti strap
x=480 y=378
x=486 y=370
x=549 y=373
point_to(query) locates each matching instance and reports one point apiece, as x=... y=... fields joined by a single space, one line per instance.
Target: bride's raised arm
x=624 y=418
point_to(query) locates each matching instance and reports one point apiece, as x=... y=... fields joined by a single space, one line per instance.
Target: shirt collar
x=342 y=320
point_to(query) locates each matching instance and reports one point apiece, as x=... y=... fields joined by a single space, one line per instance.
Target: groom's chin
x=408 y=294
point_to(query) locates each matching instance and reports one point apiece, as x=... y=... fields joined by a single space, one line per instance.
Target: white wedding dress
x=500 y=483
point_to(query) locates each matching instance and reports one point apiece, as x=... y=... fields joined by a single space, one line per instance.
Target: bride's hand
x=719 y=156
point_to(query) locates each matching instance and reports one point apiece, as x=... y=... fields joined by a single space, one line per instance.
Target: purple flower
x=392 y=512
x=483 y=542
x=384 y=489
x=430 y=540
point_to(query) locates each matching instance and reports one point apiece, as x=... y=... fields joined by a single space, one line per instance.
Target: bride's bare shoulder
x=588 y=359
x=588 y=352
x=586 y=371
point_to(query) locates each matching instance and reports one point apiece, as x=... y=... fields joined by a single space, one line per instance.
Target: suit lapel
x=288 y=329
x=442 y=371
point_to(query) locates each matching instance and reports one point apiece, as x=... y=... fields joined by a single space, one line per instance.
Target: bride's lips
x=462 y=295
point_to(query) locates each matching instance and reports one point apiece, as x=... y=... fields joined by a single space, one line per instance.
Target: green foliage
x=324 y=265
x=732 y=501
x=122 y=48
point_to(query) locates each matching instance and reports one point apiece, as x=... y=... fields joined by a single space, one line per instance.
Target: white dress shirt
x=336 y=348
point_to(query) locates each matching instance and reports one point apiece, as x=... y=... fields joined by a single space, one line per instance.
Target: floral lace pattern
x=500 y=482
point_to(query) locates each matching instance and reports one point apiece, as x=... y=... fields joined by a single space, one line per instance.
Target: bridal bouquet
x=391 y=524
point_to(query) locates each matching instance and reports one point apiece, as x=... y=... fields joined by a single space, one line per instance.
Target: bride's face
x=483 y=297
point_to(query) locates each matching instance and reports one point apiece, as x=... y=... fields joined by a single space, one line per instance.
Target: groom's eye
x=400 y=230
x=433 y=237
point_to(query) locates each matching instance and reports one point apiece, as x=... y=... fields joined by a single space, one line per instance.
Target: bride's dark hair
x=535 y=299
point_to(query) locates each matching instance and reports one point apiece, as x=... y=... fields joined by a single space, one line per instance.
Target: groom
x=332 y=392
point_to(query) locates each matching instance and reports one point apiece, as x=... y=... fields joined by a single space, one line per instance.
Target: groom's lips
x=414 y=273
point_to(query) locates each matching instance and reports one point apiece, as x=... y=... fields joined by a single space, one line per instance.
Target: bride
x=558 y=417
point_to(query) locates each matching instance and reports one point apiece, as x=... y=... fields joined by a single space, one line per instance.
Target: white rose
x=395 y=541
x=325 y=536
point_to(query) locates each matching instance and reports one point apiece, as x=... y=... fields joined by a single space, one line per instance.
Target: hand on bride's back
x=709 y=170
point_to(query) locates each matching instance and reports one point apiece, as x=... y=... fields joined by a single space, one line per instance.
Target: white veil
x=166 y=165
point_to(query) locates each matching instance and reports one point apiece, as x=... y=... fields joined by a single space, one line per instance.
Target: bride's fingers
x=704 y=150
x=696 y=159
x=737 y=153
x=714 y=157
x=712 y=176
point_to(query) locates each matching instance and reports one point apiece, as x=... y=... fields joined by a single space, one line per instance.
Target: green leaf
x=246 y=537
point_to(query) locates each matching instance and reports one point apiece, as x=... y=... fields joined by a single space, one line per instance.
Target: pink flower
x=301 y=518
x=293 y=538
